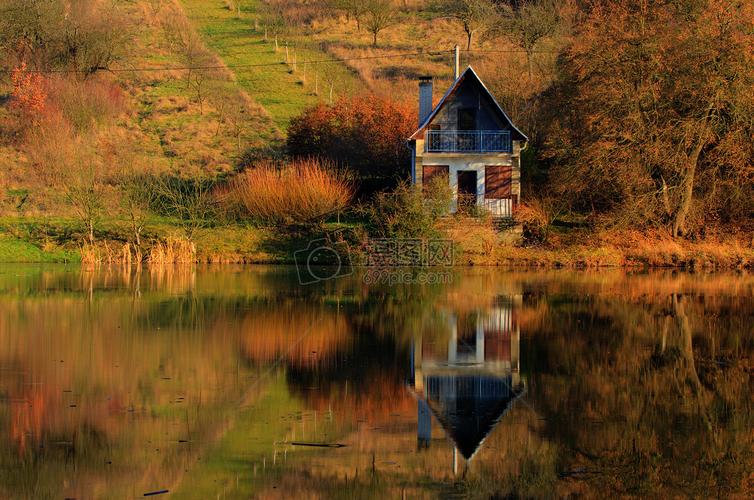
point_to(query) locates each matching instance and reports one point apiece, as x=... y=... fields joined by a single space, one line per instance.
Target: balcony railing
x=473 y=141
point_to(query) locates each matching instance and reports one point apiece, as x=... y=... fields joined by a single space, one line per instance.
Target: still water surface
x=238 y=382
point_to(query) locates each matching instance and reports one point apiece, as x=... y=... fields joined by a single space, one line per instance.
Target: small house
x=468 y=140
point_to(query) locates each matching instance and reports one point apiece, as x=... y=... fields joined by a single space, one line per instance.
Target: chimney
x=425 y=98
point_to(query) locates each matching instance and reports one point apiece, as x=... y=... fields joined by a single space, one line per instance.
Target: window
x=430 y=172
x=497 y=182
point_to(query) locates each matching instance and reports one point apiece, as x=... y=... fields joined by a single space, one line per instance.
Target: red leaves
x=29 y=92
x=366 y=132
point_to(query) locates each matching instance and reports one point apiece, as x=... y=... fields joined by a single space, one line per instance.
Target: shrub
x=536 y=221
x=74 y=166
x=86 y=103
x=366 y=133
x=192 y=201
x=409 y=212
x=29 y=92
x=304 y=191
x=174 y=250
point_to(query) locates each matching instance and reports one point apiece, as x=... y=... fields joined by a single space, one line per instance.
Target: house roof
x=468 y=73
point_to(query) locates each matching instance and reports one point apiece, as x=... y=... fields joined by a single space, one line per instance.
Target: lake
x=238 y=382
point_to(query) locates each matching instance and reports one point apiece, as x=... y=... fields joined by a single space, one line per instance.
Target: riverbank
x=28 y=240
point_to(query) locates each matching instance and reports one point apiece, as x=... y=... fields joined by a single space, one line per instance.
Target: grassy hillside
x=417 y=42
x=283 y=89
x=164 y=126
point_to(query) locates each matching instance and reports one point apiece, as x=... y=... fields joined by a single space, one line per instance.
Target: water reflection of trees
x=646 y=392
x=638 y=384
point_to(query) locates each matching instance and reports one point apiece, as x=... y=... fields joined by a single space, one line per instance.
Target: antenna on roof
x=456 y=62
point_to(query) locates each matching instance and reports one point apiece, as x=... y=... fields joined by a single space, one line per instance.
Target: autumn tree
x=658 y=123
x=366 y=133
x=29 y=92
x=475 y=16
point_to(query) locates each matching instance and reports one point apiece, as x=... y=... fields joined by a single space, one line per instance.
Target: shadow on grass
x=318 y=244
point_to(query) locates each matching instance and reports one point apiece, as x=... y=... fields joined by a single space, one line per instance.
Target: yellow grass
x=304 y=191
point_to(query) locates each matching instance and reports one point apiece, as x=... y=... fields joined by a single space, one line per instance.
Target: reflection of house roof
x=469 y=407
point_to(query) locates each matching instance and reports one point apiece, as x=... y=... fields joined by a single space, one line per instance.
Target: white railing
x=500 y=208
x=468 y=141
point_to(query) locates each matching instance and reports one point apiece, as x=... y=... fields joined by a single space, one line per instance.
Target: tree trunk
x=469 y=36
x=529 y=62
x=687 y=193
x=374 y=38
x=90 y=225
x=687 y=347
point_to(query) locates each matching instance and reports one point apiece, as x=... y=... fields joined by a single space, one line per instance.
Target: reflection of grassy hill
x=242 y=461
x=125 y=405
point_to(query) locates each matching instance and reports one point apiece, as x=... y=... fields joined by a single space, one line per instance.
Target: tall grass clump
x=301 y=192
x=174 y=250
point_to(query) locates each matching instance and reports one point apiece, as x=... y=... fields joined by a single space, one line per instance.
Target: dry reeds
x=104 y=253
x=303 y=191
x=174 y=250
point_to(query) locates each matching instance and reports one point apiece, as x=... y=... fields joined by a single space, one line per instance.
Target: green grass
x=282 y=92
x=176 y=132
x=13 y=250
x=43 y=240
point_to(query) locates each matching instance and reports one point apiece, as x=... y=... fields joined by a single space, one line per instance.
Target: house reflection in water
x=470 y=382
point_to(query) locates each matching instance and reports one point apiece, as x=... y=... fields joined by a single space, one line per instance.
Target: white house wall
x=472 y=162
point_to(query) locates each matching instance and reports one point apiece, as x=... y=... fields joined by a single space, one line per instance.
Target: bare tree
x=476 y=16
x=191 y=201
x=72 y=165
x=353 y=8
x=136 y=196
x=86 y=35
x=274 y=20
x=528 y=23
x=192 y=52
x=380 y=14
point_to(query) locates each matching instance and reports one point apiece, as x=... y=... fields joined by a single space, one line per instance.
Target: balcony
x=471 y=141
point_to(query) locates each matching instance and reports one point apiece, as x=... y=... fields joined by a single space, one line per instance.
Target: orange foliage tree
x=366 y=133
x=657 y=128
x=29 y=92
